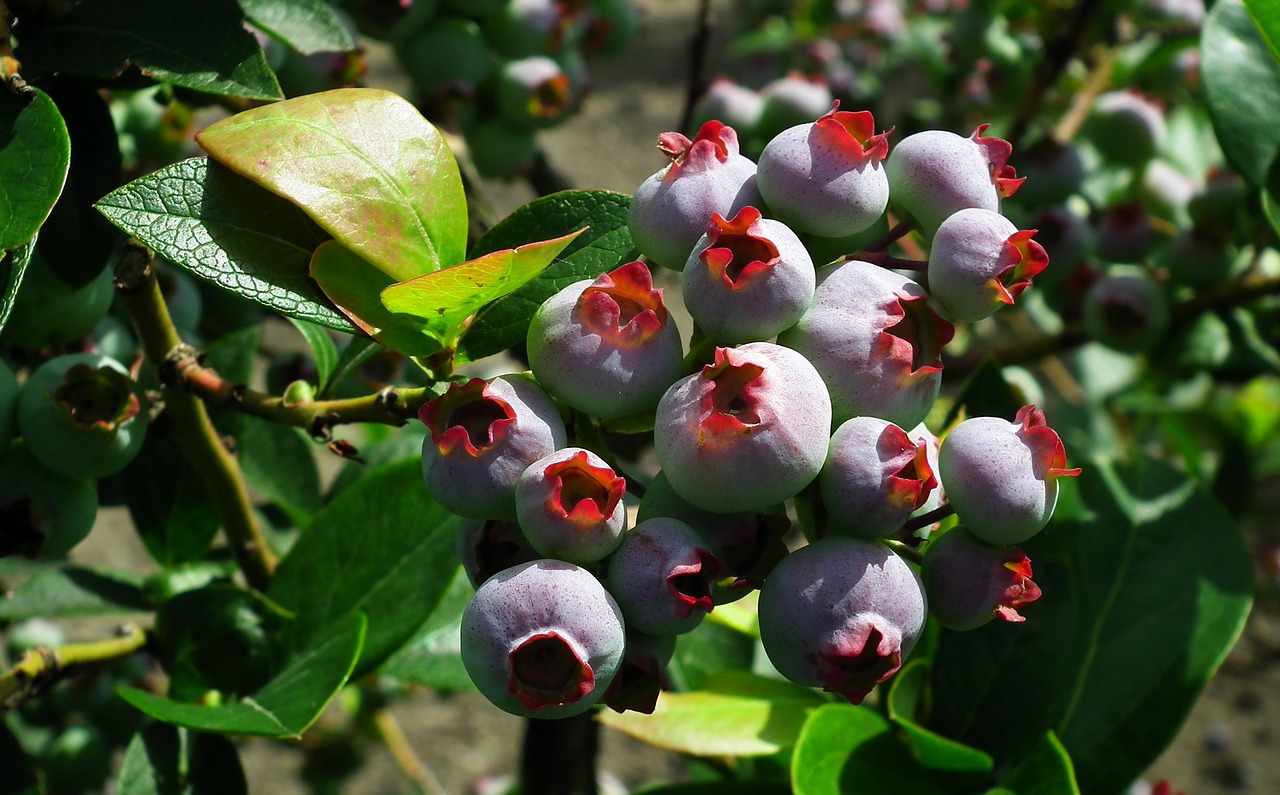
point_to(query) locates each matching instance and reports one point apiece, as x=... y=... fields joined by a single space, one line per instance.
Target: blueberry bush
x=895 y=435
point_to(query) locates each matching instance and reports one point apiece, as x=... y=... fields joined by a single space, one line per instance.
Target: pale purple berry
x=543 y=639
x=875 y=477
x=980 y=262
x=661 y=577
x=482 y=436
x=747 y=279
x=825 y=177
x=793 y=99
x=1001 y=477
x=841 y=614
x=607 y=347
x=746 y=432
x=971 y=582
x=488 y=546
x=735 y=105
x=570 y=506
x=670 y=209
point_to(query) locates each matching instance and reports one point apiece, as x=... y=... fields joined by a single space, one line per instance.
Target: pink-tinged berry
x=747 y=279
x=746 y=432
x=670 y=209
x=971 y=582
x=1002 y=477
x=1126 y=310
x=607 y=347
x=643 y=675
x=875 y=477
x=841 y=614
x=488 y=546
x=532 y=93
x=826 y=177
x=661 y=577
x=876 y=342
x=482 y=437
x=935 y=173
x=937 y=496
x=980 y=262
x=570 y=506
x=543 y=639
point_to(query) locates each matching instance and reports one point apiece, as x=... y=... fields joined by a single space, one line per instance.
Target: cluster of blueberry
x=574 y=609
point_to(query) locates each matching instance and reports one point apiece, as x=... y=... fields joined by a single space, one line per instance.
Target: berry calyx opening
x=852 y=668
x=730 y=406
x=467 y=417
x=546 y=671
x=1025 y=259
x=622 y=306
x=97 y=397
x=852 y=133
x=691 y=583
x=735 y=255
x=997 y=151
x=583 y=492
x=922 y=331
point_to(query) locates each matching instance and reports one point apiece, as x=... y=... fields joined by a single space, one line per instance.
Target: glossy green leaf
x=308 y=26
x=13 y=266
x=708 y=650
x=433 y=656
x=34 y=161
x=1242 y=89
x=203 y=46
x=605 y=245
x=1046 y=770
x=167 y=760
x=844 y=749
x=176 y=523
x=1144 y=595
x=287 y=705
x=908 y=691
x=226 y=230
x=735 y=714
x=1271 y=209
x=75 y=591
x=365 y=165
x=444 y=300
x=1266 y=15
x=354 y=285
x=324 y=351
x=382 y=547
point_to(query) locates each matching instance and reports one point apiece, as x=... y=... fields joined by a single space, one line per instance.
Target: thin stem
x=905 y=550
x=886 y=260
x=925 y=519
x=42 y=665
x=696 y=82
x=1082 y=104
x=899 y=231
x=402 y=752
x=559 y=756
x=136 y=284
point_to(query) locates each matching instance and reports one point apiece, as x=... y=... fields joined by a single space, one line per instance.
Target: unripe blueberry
x=747 y=431
x=970 y=582
x=1125 y=127
x=1221 y=205
x=1126 y=310
x=872 y=336
x=500 y=151
x=608 y=347
x=643 y=673
x=841 y=614
x=482 y=436
x=1125 y=233
x=791 y=100
x=1198 y=258
x=825 y=177
x=662 y=577
x=611 y=26
x=42 y=514
x=1066 y=238
x=533 y=93
x=1002 y=477
x=747 y=279
x=935 y=173
x=671 y=208
x=489 y=546
x=82 y=415
x=446 y=57
x=1053 y=170
x=49 y=312
x=875 y=477
x=543 y=639
x=980 y=262
x=570 y=506
x=529 y=27
x=1166 y=191
x=77 y=759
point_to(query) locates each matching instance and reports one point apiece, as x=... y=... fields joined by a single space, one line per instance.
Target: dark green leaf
x=985 y=394
x=323 y=349
x=223 y=228
x=18 y=778
x=356 y=352
x=203 y=46
x=1242 y=88
x=232 y=355
x=736 y=714
x=167 y=760
x=1046 y=770
x=34 y=159
x=13 y=265
x=1143 y=597
x=433 y=657
x=177 y=523
x=287 y=705
x=382 y=547
x=931 y=750
x=365 y=165
x=1266 y=15
x=707 y=651
x=844 y=748
x=74 y=591
x=279 y=462
x=307 y=26
x=604 y=246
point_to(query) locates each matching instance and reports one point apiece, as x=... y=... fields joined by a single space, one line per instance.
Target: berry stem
x=925 y=519
x=402 y=752
x=899 y=231
x=41 y=666
x=905 y=551
x=886 y=260
x=559 y=756
x=695 y=85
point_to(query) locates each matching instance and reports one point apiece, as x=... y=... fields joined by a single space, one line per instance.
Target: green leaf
x=176 y=523
x=354 y=285
x=708 y=650
x=203 y=46
x=1046 y=770
x=736 y=714
x=605 y=245
x=34 y=161
x=226 y=230
x=1242 y=89
x=1266 y=15
x=365 y=165
x=75 y=591
x=307 y=26
x=287 y=705
x=985 y=394
x=13 y=265
x=356 y=352
x=844 y=748
x=381 y=547
x=279 y=462
x=166 y=760
x=324 y=351
x=433 y=657
x=444 y=300
x=1144 y=595
x=1271 y=209
x=908 y=689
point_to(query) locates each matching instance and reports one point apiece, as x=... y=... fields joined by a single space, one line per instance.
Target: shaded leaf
x=75 y=591
x=18 y=778
x=364 y=164
x=166 y=760
x=34 y=159
x=356 y=352
x=718 y=788
x=1046 y=770
x=324 y=351
x=844 y=748
x=1242 y=89
x=930 y=749
x=708 y=650
x=176 y=523
x=433 y=657
x=279 y=462
x=307 y=26
x=985 y=394
x=13 y=265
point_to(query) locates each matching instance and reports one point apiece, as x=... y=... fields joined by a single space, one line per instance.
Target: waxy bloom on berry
x=980 y=262
x=971 y=582
x=875 y=477
x=662 y=577
x=570 y=506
